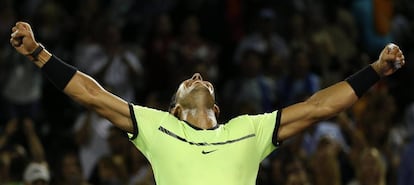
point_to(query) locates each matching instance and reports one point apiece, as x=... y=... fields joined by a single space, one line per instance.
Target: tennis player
x=186 y=146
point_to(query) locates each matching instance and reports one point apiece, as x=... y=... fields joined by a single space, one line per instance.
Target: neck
x=200 y=117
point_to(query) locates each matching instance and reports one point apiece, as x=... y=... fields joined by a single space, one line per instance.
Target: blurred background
x=262 y=55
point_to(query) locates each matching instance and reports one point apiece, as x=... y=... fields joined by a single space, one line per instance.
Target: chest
x=203 y=147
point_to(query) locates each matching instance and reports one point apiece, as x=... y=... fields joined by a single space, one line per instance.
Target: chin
x=200 y=94
x=200 y=89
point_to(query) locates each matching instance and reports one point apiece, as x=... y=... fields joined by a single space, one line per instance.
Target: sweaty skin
x=195 y=102
x=252 y=137
x=195 y=97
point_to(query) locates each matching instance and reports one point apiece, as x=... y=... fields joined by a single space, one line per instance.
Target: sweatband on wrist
x=37 y=51
x=58 y=72
x=363 y=80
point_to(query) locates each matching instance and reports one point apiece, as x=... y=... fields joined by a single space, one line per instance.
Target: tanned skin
x=195 y=101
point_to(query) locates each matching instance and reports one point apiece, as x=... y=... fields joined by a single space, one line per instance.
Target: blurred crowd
x=262 y=55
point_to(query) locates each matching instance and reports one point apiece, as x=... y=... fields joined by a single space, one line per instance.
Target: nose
x=196 y=76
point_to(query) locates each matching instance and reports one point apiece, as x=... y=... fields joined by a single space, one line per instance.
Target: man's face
x=195 y=89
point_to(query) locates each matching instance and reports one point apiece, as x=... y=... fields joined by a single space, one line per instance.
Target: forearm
x=85 y=90
x=334 y=99
x=36 y=148
x=322 y=105
x=35 y=145
x=331 y=101
x=78 y=85
x=9 y=130
x=326 y=103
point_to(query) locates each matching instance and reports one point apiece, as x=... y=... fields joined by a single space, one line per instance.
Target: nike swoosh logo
x=207 y=152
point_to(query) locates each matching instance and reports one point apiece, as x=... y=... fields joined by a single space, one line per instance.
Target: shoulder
x=148 y=114
x=140 y=108
x=247 y=119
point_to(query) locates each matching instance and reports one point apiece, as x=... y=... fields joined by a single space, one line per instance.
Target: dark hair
x=173 y=101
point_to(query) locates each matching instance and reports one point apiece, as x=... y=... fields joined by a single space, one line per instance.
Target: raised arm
x=330 y=101
x=33 y=141
x=79 y=86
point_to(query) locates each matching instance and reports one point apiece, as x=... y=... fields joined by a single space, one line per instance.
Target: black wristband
x=363 y=80
x=37 y=51
x=58 y=72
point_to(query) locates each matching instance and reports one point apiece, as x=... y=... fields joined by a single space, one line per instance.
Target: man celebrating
x=186 y=146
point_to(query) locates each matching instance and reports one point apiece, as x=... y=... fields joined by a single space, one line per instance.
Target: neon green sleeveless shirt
x=180 y=154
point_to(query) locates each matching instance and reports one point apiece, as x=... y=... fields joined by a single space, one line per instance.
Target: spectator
x=324 y=163
x=265 y=39
x=161 y=50
x=19 y=165
x=250 y=92
x=300 y=81
x=406 y=168
x=91 y=132
x=20 y=104
x=366 y=14
x=123 y=164
x=111 y=63
x=195 y=53
x=68 y=170
x=36 y=174
x=370 y=168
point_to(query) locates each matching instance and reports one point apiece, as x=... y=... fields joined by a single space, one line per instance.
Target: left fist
x=390 y=60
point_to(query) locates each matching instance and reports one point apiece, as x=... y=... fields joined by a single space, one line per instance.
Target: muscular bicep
x=115 y=110
x=86 y=91
x=294 y=119
x=322 y=105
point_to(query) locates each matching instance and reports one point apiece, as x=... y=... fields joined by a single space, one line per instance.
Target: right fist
x=22 y=38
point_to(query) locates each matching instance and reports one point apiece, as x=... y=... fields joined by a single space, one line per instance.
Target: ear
x=176 y=111
x=216 y=110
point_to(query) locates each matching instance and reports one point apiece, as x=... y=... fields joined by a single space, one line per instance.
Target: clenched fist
x=389 y=61
x=22 y=38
